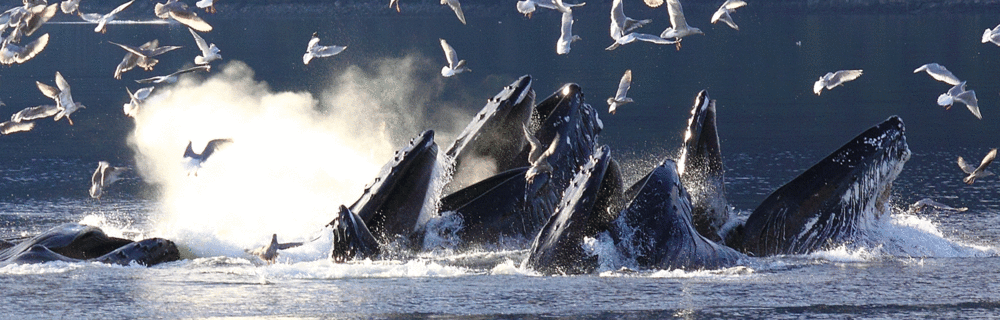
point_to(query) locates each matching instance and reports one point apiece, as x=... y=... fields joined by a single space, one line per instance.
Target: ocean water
x=309 y=137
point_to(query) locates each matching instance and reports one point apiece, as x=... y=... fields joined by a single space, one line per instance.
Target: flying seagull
x=977 y=172
x=145 y=54
x=454 y=67
x=269 y=253
x=180 y=12
x=539 y=160
x=566 y=36
x=314 y=50
x=11 y=53
x=723 y=13
x=394 y=2
x=209 y=53
x=61 y=94
x=457 y=7
x=102 y=20
x=678 y=25
x=69 y=6
x=833 y=79
x=621 y=24
x=135 y=100
x=172 y=78
x=958 y=93
x=632 y=37
x=132 y=60
x=620 y=98
x=103 y=177
x=33 y=113
x=196 y=159
x=939 y=73
x=208 y=5
x=992 y=35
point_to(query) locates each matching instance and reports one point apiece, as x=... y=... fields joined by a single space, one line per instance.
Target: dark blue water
x=772 y=126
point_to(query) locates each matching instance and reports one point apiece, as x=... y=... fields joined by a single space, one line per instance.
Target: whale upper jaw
x=834 y=202
x=701 y=170
x=493 y=141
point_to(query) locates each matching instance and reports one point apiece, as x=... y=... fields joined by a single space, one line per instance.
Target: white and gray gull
x=620 y=98
x=977 y=172
x=180 y=12
x=678 y=24
x=723 y=13
x=103 y=177
x=314 y=50
x=61 y=94
x=455 y=66
x=195 y=160
x=209 y=52
x=958 y=93
x=102 y=20
x=833 y=79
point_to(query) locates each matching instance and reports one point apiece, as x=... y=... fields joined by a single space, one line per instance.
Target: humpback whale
x=832 y=202
x=584 y=212
x=656 y=228
x=701 y=171
x=73 y=242
x=351 y=238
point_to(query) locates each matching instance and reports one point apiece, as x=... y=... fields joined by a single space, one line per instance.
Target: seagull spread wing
x=449 y=53
x=624 y=85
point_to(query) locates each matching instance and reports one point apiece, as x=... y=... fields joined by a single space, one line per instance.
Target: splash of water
x=294 y=159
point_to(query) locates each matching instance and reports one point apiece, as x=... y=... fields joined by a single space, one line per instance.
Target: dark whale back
x=71 y=240
x=146 y=252
x=390 y=206
x=656 y=229
x=832 y=202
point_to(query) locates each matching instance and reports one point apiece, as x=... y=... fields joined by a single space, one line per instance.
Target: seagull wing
x=48 y=91
x=162 y=50
x=136 y=51
x=618 y=18
x=971 y=102
x=967 y=168
x=536 y=146
x=733 y=4
x=650 y=38
x=119 y=8
x=842 y=76
x=987 y=160
x=214 y=145
x=202 y=45
x=37 y=112
x=98 y=177
x=449 y=53
x=91 y=17
x=12 y=127
x=191 y=20
x=61 y=83
x=676 y=13
x=143 y=93
x=457 y=7
x=624 y=85
x=326 y=51
x=32 y=49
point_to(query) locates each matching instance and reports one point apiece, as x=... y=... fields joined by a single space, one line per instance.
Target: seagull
x=69 y=6
x=566 y=36
x=171 y=78
x=394 y=2
x=270 y=252
x=992 y=35
x=724 y=11
x=179 y=11
x=103 y=177
x=620 y=24
x=102 y=20
x=678 y=25
x=11 y=53
x=196 y=159
x=314 y=50
x=939 y=73
x=980 y=172
x=209 y=53
x=527 y=7
x=131 y=60
x=145 y=54
x=632 y=37
x=833 y=79
x=457 y=7
x=135 y=100
x=928 y=203
x=453 y=67
x=61 y=94
x=208 y=5
x=620 y=98
x=958 y=93
x=9 y=127
x=33 y=113
x=539 y=160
